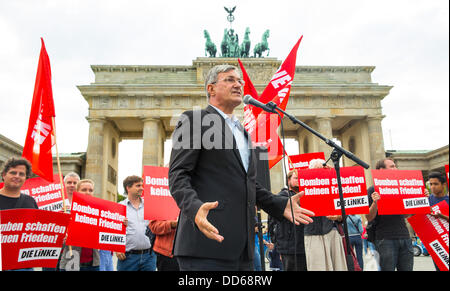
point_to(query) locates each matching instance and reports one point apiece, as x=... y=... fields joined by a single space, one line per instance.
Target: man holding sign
x=14 y=174
x=437 y=182
x=392 y=239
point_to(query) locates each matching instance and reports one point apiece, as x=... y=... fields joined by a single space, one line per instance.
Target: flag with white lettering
x=401 y=192
x=97 y=223
x=159 y=203
x=322 y=191
x=265 y=132
x=433 y=232
x=40 y=136
x=31 y=238
x=249 y=89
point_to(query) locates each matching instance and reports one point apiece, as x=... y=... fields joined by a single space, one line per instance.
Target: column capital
x=96 y=119
x=375 y=117
x=325 y=117
x=149 y=118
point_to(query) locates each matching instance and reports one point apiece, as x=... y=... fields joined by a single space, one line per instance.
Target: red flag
x=249 y=89
x=277 y=91
x=39 y=139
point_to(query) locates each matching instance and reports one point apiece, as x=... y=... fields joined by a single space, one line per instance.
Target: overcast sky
x=406 y=40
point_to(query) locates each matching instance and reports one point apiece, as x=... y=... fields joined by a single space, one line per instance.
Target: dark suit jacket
x=199 y=173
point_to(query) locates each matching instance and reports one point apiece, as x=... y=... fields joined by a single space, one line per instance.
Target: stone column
x=324 y=127
x=376 y=141
x=153 y=142
x=94 y=154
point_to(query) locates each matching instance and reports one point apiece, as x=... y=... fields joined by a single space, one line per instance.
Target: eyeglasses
x=231 y=80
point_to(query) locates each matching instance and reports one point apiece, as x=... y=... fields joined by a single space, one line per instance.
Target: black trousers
x=206 y=264
x=164 y=263
x=289 y=262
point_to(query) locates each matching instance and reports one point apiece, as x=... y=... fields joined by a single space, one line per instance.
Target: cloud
x=407 y=41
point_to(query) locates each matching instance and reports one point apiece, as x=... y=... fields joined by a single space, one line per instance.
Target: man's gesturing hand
x=301 y=215
x=204 y=225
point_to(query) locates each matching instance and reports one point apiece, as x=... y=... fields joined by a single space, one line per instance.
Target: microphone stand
x=335 y=156
x=261 y=240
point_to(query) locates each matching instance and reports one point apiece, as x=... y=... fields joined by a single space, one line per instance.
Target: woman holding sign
x=81 y=259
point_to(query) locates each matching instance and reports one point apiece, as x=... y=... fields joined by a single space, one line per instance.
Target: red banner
x=401 y=192
x=47 y=194
x=446 y=174
x=159 y=203
x=97 y=223
x=301 y=162
x=40 y=135
x=322 y=192
x=263 y=126
x=31 y=238
x=433 y=232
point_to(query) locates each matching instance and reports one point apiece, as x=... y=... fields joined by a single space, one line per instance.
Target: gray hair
x=316 y=164
x=211 y=77
x=71 y=174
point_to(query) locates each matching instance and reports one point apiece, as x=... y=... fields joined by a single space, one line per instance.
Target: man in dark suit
x=212 y=177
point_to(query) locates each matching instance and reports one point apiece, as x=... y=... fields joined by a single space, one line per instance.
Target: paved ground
x=421 y=263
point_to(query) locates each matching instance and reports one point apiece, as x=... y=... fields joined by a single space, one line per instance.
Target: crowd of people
x=319 y=245
x=214 y=184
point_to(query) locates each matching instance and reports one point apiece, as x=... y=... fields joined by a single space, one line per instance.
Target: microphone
x=252 y=101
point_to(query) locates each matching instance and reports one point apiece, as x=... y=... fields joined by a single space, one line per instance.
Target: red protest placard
x=31 y=238
x=433 y=232
x=159 y=204
x=401 y=192
x=97 y=223
x=322 y=192
x=446 y=174
x=301 y=162
x=47 y=194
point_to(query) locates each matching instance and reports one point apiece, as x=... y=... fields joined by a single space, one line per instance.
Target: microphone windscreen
x=247 y=99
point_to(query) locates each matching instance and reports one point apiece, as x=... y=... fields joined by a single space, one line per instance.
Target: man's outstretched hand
x=301 y=215
x=204 y=225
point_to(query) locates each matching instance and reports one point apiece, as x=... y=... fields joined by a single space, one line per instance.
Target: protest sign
x=433 y=232
x=401 y=192
x=322 y=192
x=446 y=174
x=301 y=162
x=97 y=223
x=31 y=238
x=159 y=204
x=47 y=194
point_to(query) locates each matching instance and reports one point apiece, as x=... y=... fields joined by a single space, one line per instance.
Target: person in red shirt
x=163 y=245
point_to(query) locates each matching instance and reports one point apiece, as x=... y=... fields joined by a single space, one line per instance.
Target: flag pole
x=59 y=167
x=60 y=175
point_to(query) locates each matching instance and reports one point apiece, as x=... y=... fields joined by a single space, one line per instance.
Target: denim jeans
x=356 y=243
x=138 y=262
x=395 y=253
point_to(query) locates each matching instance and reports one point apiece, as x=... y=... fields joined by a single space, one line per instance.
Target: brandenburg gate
x=144 y=102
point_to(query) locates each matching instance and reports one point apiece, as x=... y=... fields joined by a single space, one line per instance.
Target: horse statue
x=210 y=47
x=245 y=45
x=262 y=46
